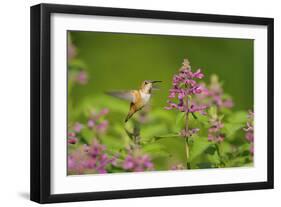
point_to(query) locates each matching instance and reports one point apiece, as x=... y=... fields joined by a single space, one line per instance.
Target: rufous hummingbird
x=138 y=98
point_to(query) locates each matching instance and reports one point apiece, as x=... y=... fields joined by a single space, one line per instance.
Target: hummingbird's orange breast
x=138 y=99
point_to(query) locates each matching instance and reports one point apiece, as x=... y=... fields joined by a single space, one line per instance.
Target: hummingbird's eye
x=145 y=82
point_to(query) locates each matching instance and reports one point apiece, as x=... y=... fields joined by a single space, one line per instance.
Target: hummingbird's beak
x=155 y=81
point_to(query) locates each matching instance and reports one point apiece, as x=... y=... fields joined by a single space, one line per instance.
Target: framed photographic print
x=132 y=103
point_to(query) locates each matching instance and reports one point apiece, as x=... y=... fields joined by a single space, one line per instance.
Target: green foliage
x=160 y=137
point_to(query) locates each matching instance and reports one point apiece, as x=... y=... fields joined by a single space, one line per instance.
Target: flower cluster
x=250 y=131
x=214 y=132
x=214 y=94
x=75 y=65
x=89 y=159
x=136 y=162
x=185 y=85
x=189 y=133
x=71 y=138
x=77 y=127
x=94 y=122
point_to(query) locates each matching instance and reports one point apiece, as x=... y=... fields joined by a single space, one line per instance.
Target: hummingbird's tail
x=128 y=116
x=131 y=112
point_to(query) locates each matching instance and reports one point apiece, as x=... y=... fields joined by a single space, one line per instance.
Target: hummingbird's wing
x=124 y=95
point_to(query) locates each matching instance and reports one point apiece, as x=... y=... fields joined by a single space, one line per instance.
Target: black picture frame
x=41 y=102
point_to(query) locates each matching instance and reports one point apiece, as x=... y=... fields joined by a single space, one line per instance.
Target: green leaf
x=205 y=165
x=194 y=116
x=238 y=117
x=211 y=150
x=87 y=135
x=176 y=148
x=244 y=147
x=155 y=150
x=231 y=128
x=225 y=148
x=112 y=143
x=202 y=119
x=198 y=147
x=215 y=159
x=165 y=116
x=167 y=136
x=149 y=131
x=237 y=162
x=180 y=120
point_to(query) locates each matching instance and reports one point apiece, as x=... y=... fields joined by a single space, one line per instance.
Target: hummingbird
x=138 y=98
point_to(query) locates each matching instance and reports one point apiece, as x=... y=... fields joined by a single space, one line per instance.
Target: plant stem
x=135 y=134
x=186 y=137
x=187 y=153
x=219 y=154
x=186 y=118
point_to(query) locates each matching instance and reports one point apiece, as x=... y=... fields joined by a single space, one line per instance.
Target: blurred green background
x=122 y=61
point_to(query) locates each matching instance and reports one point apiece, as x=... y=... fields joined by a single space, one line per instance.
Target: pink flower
x=195 y=108
x=92 y=158
x=214 y=132
x=102 y=127
x=95 y=115
x=81 y=77
x=95 y=149
x=228 y=103
x=249 y=136
x=185 y=85
x=189 y=133
x=213 y=94
x=72 y=139
x=137 y=163
x=171 y=105
x=77 y=127
x=71 y=162
x=198 y=74
x=128 y=163
x=104 y=112
x=91 y=123
x=96 y=121
x=71 y=134
x=71 y=51
x=197 y=89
